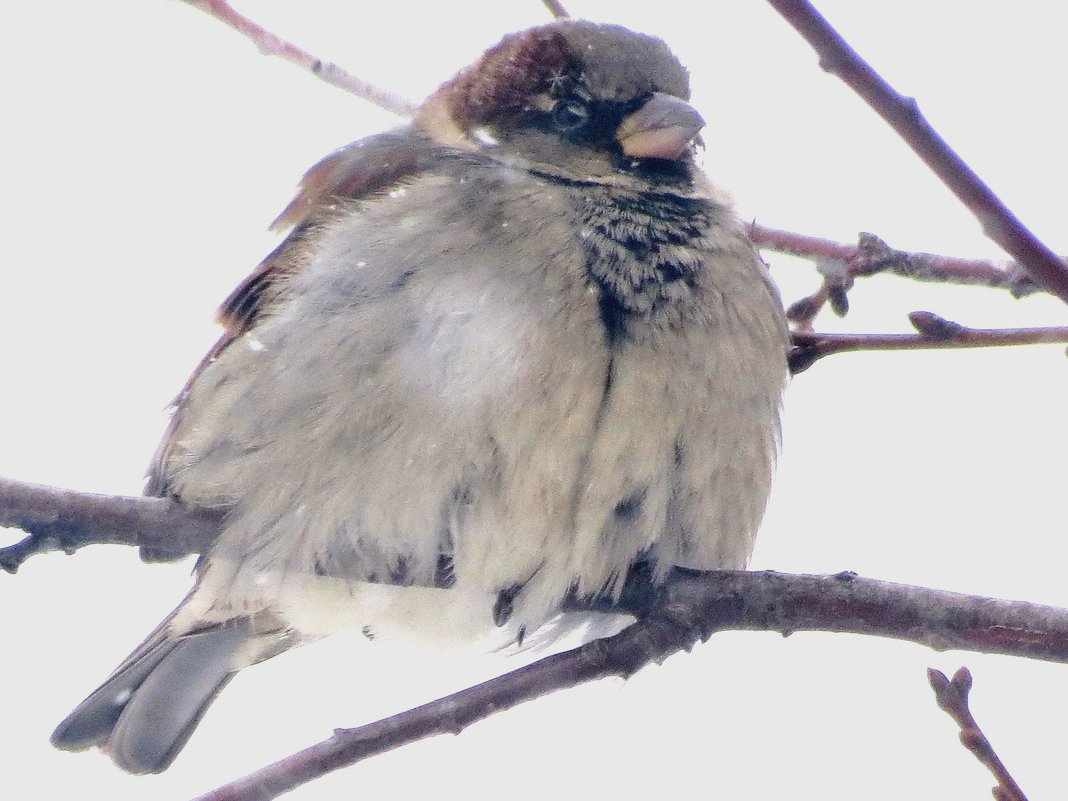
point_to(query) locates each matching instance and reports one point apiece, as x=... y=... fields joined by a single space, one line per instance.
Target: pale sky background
x=144 y=150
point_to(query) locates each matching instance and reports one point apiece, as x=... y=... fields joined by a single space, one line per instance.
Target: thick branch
x=59 y=519
x=271 y=45
x=903 y=115
x=690 y=608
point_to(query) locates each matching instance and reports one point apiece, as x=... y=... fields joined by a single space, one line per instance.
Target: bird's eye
x=570 y=115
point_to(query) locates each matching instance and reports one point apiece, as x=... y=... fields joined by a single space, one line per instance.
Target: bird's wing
x=360 y=170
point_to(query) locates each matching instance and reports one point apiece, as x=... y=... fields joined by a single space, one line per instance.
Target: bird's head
x=582 y=100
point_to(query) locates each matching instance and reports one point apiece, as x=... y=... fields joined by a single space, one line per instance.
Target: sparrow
x=507 y=355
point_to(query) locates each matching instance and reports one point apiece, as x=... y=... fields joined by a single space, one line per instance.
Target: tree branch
x=691 y=607
x=952 y=698
x=871 y=255
x=60 y=519
x=688 y=608
x=840 y=263
x=903 y=115
x=934 y=332
x=271 y=45
x=556 y=8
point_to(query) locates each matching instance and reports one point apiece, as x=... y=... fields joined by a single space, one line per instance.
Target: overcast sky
x=145 y=150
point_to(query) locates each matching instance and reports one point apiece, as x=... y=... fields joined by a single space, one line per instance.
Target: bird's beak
x=661 y=129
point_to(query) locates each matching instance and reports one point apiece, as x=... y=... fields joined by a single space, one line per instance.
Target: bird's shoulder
x=355 y=172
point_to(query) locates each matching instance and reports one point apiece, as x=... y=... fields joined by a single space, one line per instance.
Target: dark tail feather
x=144 y=713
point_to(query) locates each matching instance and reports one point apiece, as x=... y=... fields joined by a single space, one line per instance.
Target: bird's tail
x=143 y=714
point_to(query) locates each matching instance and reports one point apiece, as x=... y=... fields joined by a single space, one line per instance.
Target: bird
x=507 y=354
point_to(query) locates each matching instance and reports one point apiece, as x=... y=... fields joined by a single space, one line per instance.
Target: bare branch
x=556 y=8
x=690 y=608
x=59 y=519
x=872 y=255
x=952 y=698
x=903 y=114
x=271 y=45
x=934 y=332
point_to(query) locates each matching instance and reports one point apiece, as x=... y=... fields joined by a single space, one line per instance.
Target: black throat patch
x=643 y=254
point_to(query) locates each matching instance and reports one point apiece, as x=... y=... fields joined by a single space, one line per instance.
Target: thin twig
x=556 y=8
x=691 y=608
x=935 y=332
x=872 y=255
x=903 y=115
x=840 y=263
x=952 y=698
x=271 y=45
x=60 y=519
x=868 y=256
